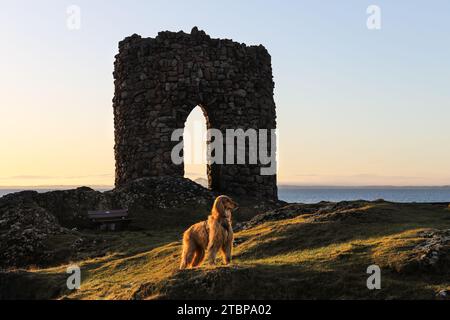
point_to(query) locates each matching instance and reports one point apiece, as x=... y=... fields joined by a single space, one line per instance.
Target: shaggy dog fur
x=210 y=236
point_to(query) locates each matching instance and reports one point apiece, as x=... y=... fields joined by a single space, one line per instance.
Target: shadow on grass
x=24 y=285
x=284 y=282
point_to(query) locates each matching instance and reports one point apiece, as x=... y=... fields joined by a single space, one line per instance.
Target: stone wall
x=159 y=81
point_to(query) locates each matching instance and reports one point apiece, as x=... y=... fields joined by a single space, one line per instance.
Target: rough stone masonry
x=159 y=81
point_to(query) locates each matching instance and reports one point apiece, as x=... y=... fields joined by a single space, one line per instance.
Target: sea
x=393 y=194
x=335 y=194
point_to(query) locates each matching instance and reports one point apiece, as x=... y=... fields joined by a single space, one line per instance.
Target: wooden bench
x=110 y=220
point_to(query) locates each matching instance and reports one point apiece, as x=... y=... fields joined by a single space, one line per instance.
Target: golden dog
x=210 y=236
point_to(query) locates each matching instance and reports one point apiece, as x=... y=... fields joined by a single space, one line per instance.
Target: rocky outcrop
x=69 y=207
x=29 y=218
x=434 y=251
x=159 y=192
x=431 y=254
x=322 y=211
x=24 y=230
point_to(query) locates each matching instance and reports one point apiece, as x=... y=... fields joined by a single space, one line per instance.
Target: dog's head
x=224 y=206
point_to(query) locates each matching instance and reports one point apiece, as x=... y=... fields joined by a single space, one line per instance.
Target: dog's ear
x=219 y=207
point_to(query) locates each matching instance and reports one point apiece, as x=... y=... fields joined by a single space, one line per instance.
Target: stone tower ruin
x=159 y=81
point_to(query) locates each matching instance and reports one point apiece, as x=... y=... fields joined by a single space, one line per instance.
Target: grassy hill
x=299 y=251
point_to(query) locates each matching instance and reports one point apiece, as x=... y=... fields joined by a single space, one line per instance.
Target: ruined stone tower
x=159 y=81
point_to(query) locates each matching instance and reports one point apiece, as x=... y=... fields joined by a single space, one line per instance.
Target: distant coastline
x=287 y=186
x=13 y=189
x=309 y=194
x=314 y=194
x=55 y=187
x=200 y=181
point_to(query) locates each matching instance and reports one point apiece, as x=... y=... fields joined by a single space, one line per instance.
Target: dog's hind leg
x=187 y=254
x=199 y=256
x=189 y=257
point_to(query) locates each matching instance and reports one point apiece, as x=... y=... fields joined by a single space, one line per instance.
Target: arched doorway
x=195 y=147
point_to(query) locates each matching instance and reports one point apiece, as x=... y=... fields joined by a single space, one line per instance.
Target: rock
x=194 y=30
x=25 y=228
x=160 y=192
x=318 y=212
x=443 y=294
x=241 y=93
x=70 y=206
x=434 y=248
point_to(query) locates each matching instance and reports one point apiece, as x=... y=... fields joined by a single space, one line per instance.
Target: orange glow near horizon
x=355 y=107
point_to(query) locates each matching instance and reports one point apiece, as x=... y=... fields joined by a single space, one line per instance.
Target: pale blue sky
x=354 y=106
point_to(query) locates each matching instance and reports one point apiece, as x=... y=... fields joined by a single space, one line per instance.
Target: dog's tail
x=184 y=262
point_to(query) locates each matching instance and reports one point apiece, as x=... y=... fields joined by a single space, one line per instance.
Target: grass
x=299 y=258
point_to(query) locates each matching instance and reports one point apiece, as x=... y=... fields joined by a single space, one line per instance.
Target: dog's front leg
x=213 y=245
x=228 y=249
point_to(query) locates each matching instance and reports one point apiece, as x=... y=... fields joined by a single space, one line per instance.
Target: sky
x=354 y=106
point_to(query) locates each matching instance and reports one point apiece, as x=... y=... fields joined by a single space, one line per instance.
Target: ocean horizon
x=314 y=194
x=388 y=193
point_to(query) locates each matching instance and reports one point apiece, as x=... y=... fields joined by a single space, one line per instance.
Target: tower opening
x=195 y=147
